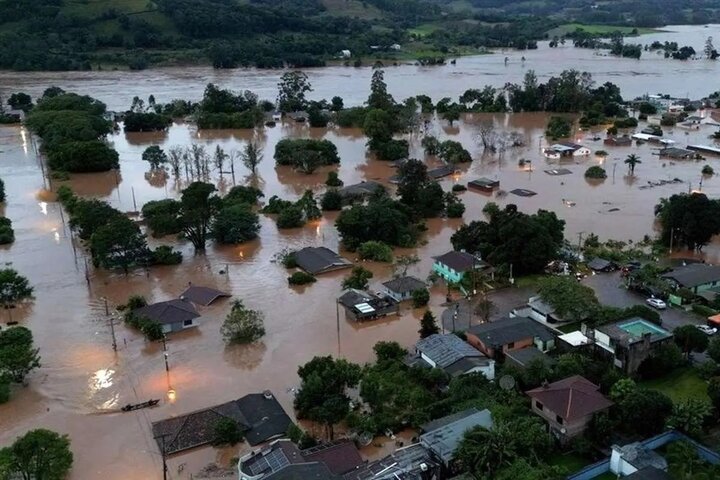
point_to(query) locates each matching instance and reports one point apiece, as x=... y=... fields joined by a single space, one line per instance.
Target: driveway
x=610 y=290
x=504 y=300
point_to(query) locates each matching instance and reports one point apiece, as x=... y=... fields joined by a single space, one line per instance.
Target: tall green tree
x=119 y=244
x=571 y=300
x=236 y=223
x=690 y=339
x=291 y=91
x=17 y=355
x=38 y=455
x=155 y=156
x=688 y=219
x=199 y=205
x=251 y=156
x=358 y=278
x=428 y=325
x=14 y=288
x=242 y=325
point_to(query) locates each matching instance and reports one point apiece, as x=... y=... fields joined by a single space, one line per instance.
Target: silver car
x=656 y=303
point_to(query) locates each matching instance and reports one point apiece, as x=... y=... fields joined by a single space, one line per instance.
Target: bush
x=455 y=209
x=82 y=157
x=595 y=171
x=290 y=151
x=162 y=216
x=301 y=278
x=420 y=297
x=276 y=205
x=391 y=150
x=226 y=432
x=165 y=255
x=2 y=191
x=7 y=235
x=459 y=188
x=373 y=250
x=290 y=217
x=235 y=224
x=703 y=311
x=333 y=180
x=664 y=360
x=332 y=200
x=242 y=325
x=243 y=194
x=558 y=127
x=708 y=170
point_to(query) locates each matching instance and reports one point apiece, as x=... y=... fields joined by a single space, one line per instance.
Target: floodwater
x=83 y=383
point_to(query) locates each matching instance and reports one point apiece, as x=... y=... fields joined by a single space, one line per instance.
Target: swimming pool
x=638 y=328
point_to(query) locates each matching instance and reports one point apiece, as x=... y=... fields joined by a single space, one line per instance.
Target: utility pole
x=163 y=452
x=337 y=322
x=165 y=354
x=672 y=237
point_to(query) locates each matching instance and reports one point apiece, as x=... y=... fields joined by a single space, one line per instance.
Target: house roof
x=526 y=355
x=694 y=274
x=444 y=440
x=571 y=398
x=339 y=457
x=202 y=295
x=641 y=456
x=649 y=473
x=484 y=182
x=575 y=339
x=361 y=189
x=446 y=349
x=407 y=284
x=265 y=417
x=508 y=330
x=447 y=420
x=441 y=172
x=403 y=464
x=352 y=297
x=466 y=364
x=316 y=260
x=460 y=261
x=675 y=152
x=272 y=458
x=304 y=471
x=599 y=264
x=170 y=311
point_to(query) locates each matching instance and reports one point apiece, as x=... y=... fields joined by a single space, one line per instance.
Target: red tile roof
x=571 y=398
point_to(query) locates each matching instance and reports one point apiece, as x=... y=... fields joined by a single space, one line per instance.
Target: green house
x=452 y=266
x=700 y=278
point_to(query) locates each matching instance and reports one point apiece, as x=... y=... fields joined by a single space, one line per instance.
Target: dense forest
x=92 y=34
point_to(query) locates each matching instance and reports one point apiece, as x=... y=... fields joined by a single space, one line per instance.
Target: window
x=187 y=323
x=538 y=405
x=559 y=419
x=511 y=345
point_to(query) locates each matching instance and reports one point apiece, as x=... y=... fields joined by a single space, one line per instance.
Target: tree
x=596 y=171
x=403 y=263
x=119 y=244
x=523 y=470
x=430 y=144
x=420 y=297
x=290 y=217
x=389 y=351
x=162 y=217
x=570 y=300
x=379 y=97
x=23 y=101
x=378 y=251
x=322 y=396
x=7 y=234
x=382 y=219
x=713 y=391
x=631 y=161
x=241 y=194
x=219 y=159
x=622 y=389
x=452 y=114
x=333 y=180
x=331 y=200
x=558 y=127
x=483 y=452
x=689 y=416
x=38 y=455
x=242 y=325
x=416 y=190
x=688 y=219
x=645 y=412
x=226 y=432
x=713 y=349
x=428 y=325
x=2 y=191
x=336 y=104
x=251 y=156
x=453 y=152
x=14 y=288
x=684 y=463
x=198 y=207
x=710 y=52
x=17 y=355
x=291 y=91
x=235 y=224
x=690 y=339
x=358 y=278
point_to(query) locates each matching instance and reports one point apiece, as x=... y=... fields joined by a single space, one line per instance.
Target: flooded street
x=83 y=383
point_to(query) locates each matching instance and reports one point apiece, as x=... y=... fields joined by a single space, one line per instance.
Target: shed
x=173 y=315
x=315 y=260
x=444 y=439
x=402 y=288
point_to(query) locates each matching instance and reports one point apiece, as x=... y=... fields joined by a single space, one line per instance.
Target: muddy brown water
x=83 y=383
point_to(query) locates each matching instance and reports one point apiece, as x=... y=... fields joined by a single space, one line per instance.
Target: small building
x=704 y=149
x=598 y=264
x=202 y=295
x=573 y=341
x=615 y=141
x=441 y=172
x=538 y=310
x=450 y=353
x=414 y=462
x=445 y=434
x=566 y=149
x=676 y=153
x=525 y=356
x=498 y=338
x=568 y=405
x=646 y=136
x=282 y=459
x=316 y=260
x=484 y=184
x=174 y=315
x=453 y=265
x=402 y=288
x=697 y=277
x=361 y=306
x=635 y=458
x=628 y=342
x=360 y=191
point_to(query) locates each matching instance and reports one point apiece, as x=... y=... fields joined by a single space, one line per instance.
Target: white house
x=566 y=149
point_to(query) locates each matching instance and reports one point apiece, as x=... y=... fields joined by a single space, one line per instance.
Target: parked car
x=706 y=329
x=656 y=303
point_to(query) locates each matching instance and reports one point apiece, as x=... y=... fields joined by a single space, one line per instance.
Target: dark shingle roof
x=598 y=264
x=405 y=284
x=446 y=349
x=171 y=311
x=265 y=417
x=316 y=260
x=526 y=355
x=571 y=398
x=303 y=471
x=460 y=261
x=649 y=473
x=361 y=189
x=340 y=457
x=466 y=364
x=695 y=274
x=509 y=330
x=202 y=295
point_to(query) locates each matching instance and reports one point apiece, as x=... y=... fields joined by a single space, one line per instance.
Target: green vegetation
x=293 y=215
x=39 y=454
x=301 y=278
x=596 y=172
x=18 y=358
x=7 y=235
x=601 y=30
x=692 y=219
x=680 y=384
x=306 y=155
x=242 y=325
x=377 y=251
x=226 y=432
x=358 y=278
x=558 y=127
x=382 y=219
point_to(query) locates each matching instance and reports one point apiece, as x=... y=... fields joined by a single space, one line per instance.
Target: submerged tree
x=251 y=156
x=155 y=156
x=631 y=161
x=242 y=325
x=17 y=355
x=14 y=288
x=291 y=91
x=199 y=204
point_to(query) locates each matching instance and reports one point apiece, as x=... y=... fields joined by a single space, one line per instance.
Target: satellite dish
x=507 y=382
x=563 y=430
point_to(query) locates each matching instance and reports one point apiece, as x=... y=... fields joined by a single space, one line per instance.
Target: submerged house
x=453 y=265
x=496 y=339
x=360 y=305
x=360 y=191
x=174 y=315
x=402 y=288
x=316 y=260
x=566 y=149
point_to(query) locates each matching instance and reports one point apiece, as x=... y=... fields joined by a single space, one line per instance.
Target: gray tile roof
x=265 y=417
x=202 y=295
x=466 y=364
x=509 y=330
x=444 y=440
x=600 y=264
x=304 y=471
x=403 y=464
x=360 y=190
x=460 y=261
x=446 y=349
x=695 y=274
x=316 y=260
x=405 y=284
x=171 y=311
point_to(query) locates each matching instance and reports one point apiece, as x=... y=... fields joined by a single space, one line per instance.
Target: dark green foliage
x=453 y=152
x=7 y=235
x=236 y=223
x=331 y=200
x=690 y=339
x=378 y=251
x=290 y=217
x=242 y=325
x=431 y=145
x=333 y=180
x=291 y=91
x=322 y=396
x=694 y=218
x=358 y=278
x=155 y=156
x=226 y=432
x=4 y=395
x=20 y=101
x=199 y=205
x=713 y=349
x=459 y=188
x=420 y=297
x=428 y=325
x=665 y=359
x=301 y=278
x=644 y=412
x=165 y=255
x=243 y=194
x=14 y=287
x=595 y=171
x=707 y=170
x=455 y=207
x=294 y=152
x=713 y=391
x=2 y=191
x=146 y=122
x=118 y=243
x=276 y=205
x=162 y=217
x=382 y=219
x=39 y=454
x=422 y=195
x=570 y=300
x=558 y=127
x=528 y=242
x=81 y=157
x=351 y=117
x=150 y=328
x=17 y=356
x=224 y=109
x=390 y=150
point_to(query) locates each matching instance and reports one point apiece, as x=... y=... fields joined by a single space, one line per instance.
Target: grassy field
x=599 y=29
x=681 y=384
x=571 y=462
x=423 y=30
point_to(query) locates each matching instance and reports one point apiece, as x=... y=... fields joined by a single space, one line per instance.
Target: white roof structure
x=576 y=338
x=364 y=308
x=645 y=136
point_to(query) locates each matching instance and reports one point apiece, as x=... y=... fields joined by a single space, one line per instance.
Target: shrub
x=165 y=255
x=7 y=235
x=558 y=127
x=455 y=209
x=290 y=217
x=243 y=194
x=301 y=278
x=226 y=432
x=288 y=259
x=332 y=200
x=276 y=205
x=242 y=325
x=664 y=360
x=595 y=171
x=333 y=180
x=420 y=297
x=291 y=151
x=162 y=216
x=703 y=311
x=708 y=170
x=373 y=250
x=391 y=150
